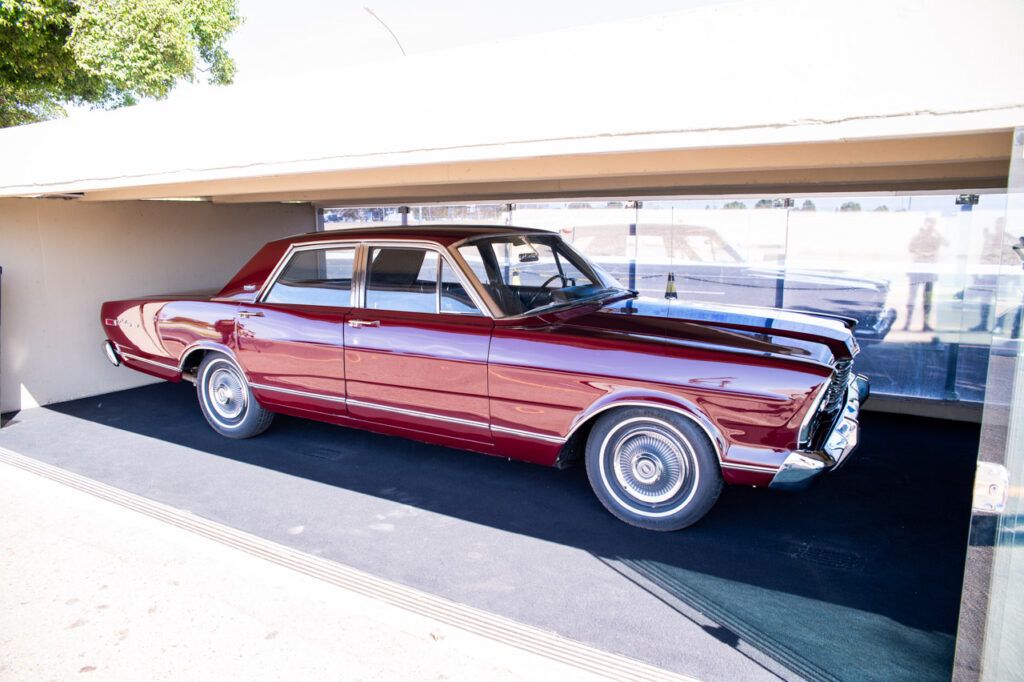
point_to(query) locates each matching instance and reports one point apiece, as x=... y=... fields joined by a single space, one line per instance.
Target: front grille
x=837 y=391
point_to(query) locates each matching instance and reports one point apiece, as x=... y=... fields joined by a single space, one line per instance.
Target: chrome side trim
x=751 y=467
x=528 y=434
x=205 y=345
x=301 y=394
x=411 y=413
x=359 y=270
x=421 y=415
x=716 y=440
x=799 y=469
x=155 y=363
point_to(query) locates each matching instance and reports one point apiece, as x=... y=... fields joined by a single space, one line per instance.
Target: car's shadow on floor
x=857 y=578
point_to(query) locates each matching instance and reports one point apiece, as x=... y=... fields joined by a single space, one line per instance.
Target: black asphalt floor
x=857 y=578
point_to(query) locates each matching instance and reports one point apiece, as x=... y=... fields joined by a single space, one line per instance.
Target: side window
x=402 y=279
x=315 y=277
x=454 y=298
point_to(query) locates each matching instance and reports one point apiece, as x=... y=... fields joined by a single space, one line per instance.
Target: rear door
x=291 y=343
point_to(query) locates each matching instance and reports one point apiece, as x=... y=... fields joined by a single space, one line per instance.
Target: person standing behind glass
x=985 y=282
x=924 y=250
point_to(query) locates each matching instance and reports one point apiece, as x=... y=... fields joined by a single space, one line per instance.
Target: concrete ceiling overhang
x=782 y=95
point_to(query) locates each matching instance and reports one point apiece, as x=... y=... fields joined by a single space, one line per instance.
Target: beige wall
x=62 y=258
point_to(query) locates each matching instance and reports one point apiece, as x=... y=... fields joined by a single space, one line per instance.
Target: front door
x=416 y=347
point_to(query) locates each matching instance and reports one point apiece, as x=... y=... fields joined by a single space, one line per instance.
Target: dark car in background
x=707 y=268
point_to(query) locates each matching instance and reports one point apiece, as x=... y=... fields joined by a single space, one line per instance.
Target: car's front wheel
x=226 y=399
x=652 y=468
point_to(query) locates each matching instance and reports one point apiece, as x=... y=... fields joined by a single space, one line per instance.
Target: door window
x=402 y=279
x=454 y=297
x=321 y=277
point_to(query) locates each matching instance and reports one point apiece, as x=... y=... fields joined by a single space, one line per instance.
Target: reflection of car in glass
x=983 y=297
x=707 y=268
x=507 y=341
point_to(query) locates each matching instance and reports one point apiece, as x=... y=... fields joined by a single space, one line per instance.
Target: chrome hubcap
x=228 y=394
x=649 y=465
x=647 y=469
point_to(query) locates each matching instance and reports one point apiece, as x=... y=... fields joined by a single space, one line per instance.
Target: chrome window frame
x=370 y=246
x=444 y=255
x=357 y=298
x=275 y=274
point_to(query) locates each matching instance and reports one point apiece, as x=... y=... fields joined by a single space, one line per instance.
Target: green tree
x=734 y=205
x=107 y=53
x=850 y=206
x=764 y=203
x=882 y=209
x=808 y=205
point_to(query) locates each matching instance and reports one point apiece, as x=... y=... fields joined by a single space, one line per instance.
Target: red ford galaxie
x=508 y=341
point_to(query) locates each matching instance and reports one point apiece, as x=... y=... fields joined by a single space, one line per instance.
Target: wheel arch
x=580 y=431
x=193 y=356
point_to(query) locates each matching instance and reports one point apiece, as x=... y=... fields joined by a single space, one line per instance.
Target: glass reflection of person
x=924 y=251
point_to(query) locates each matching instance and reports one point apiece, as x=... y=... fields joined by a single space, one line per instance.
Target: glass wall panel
x=361 y=216
x=603 y=230
x=990 y=642
x=716 y=252
x=916 y=271
x=365 y=216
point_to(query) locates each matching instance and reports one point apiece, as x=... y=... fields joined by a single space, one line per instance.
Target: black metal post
x=632 y=258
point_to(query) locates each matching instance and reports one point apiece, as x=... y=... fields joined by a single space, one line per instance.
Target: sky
x=281 y=41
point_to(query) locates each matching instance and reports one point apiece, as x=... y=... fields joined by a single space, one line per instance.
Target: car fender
x=204 y=346
x=653 y=399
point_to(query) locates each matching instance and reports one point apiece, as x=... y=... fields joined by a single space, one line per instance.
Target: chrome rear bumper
x=802 y=466
x=110 y=350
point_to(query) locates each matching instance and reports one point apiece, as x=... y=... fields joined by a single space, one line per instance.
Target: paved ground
x=857 y=578
x=90 y=587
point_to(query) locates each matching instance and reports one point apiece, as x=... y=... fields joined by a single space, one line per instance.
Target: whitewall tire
x=226 y=399
x=653 y=468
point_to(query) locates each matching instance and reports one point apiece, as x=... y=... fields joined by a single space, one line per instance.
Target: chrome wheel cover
x=226 y=394
x=650 y=466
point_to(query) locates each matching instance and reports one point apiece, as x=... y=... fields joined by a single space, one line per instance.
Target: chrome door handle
x=363 y=323
x=250 y=313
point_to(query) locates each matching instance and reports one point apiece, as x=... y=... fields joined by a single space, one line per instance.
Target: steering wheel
x=549 y=280
x=553 y=277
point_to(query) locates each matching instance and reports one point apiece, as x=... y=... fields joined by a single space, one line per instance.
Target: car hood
x=820 y=338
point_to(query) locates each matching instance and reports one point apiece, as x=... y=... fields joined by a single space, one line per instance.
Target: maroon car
x=507 y=341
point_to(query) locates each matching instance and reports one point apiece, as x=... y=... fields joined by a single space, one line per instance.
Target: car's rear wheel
x=653 y=468
x=226 y=399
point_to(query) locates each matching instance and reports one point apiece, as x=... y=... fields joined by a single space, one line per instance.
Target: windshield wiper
x=597 y=295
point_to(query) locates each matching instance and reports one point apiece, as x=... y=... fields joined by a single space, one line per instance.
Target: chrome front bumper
x=803 y=466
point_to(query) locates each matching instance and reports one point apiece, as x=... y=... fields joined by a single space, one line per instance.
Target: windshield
x=526 y=273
